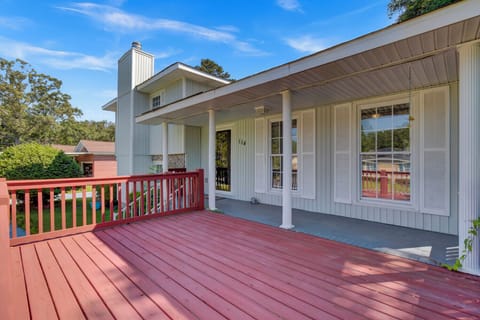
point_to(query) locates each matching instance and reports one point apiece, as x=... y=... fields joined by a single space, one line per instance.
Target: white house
x=383 y=127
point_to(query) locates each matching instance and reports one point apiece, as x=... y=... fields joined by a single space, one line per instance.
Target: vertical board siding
x=194 y=87
x=143 y=65
x=174 y=92
x=193 y=147
x=243 y=176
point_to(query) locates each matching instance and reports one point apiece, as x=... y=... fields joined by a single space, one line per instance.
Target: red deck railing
x=58 y=207
x=386 y=184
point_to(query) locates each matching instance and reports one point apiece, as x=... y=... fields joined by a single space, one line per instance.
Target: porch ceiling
x=334 y=76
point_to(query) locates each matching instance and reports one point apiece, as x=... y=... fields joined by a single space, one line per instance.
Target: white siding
x=342 y=137
x=243 y=176
x=155 y=139
x=193 y=147
x=176 y=139
x=173 y=92
x=194 y=87
x=124 y=75
x=144 y=67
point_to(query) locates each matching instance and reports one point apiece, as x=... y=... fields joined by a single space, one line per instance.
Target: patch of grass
x=34 y=217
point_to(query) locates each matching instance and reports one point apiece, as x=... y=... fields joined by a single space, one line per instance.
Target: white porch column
x=469 y=150
x=211 y=159
x=287 y=161
x=165 y=147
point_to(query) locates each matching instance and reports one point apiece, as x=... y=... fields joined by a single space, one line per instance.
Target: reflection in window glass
x=385 y=152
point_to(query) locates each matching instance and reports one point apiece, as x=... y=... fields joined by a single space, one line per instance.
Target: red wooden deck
x=211 y=266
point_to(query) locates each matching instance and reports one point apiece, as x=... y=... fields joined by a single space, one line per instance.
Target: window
x=157 y=101
x=385 y=152
x=276 y=154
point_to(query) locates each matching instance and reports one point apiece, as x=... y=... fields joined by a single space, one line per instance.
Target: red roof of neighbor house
x=91 y=146
x=64 y=147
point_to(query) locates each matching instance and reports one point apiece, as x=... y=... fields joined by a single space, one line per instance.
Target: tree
x=409 y=9
x=34 y=109
x=211 y=67
x=33 y=106
x=35 y=161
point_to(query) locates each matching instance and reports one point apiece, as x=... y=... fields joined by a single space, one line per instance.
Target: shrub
x=35 y=161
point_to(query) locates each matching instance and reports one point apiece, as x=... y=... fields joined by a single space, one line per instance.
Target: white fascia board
x=202 y=74
x=110 y=105
x=434 y=20
x=180 y=67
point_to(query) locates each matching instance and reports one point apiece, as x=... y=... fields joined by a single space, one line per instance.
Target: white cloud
x=116 y=20
x=56 y=58
x=289 y=5
x=306 y=44
x=349 y=14
x=14 y=23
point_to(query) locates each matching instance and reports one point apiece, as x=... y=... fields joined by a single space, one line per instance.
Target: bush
x=35 y=161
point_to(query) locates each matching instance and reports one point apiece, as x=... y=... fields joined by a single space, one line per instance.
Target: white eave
x=110 y=105
x=177 y=71
x=430 y=37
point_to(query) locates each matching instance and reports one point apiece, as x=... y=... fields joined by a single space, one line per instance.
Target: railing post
x=200 y=189
x=5 y=275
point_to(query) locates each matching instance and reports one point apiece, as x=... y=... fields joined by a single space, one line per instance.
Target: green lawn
x=58 y=216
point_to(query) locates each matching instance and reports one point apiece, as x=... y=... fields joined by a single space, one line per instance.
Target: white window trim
x=414 y=145
x=268 y=154
x=160 y=93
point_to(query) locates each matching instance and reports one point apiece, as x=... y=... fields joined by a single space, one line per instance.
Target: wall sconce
x=261 y=110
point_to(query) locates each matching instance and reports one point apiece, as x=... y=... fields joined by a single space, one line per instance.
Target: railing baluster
x=27 y=212
x=119 y=204
x=102 y=201
x=74 y=207
x=52 y=209
x=142 y=199
x=94 y=204
x=63 y=208
x=40 y=210
x=110 y=203
x=14 y=214
x=162 y=198
x=127 y=200
x=135 y=199
x=149 y=198
x=84 y=205
x=155 y=197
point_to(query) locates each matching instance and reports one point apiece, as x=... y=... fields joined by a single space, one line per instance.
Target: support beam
x=165 y=147
x=211 y=159
x=287 y=160
x=469 y=150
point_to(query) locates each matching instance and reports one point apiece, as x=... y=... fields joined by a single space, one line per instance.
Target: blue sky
x=80 y=42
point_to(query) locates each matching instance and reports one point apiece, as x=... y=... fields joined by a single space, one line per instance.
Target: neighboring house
x=96 y=158
x=381 y=128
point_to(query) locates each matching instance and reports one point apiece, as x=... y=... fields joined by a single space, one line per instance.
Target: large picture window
x=276 y=154
x=385 y=152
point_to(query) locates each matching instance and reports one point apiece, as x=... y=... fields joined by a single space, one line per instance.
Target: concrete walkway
x=425 y=246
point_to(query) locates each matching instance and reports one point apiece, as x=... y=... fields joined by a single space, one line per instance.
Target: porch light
x=260 y=110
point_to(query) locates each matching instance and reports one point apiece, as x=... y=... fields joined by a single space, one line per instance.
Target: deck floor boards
x=211 y=266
